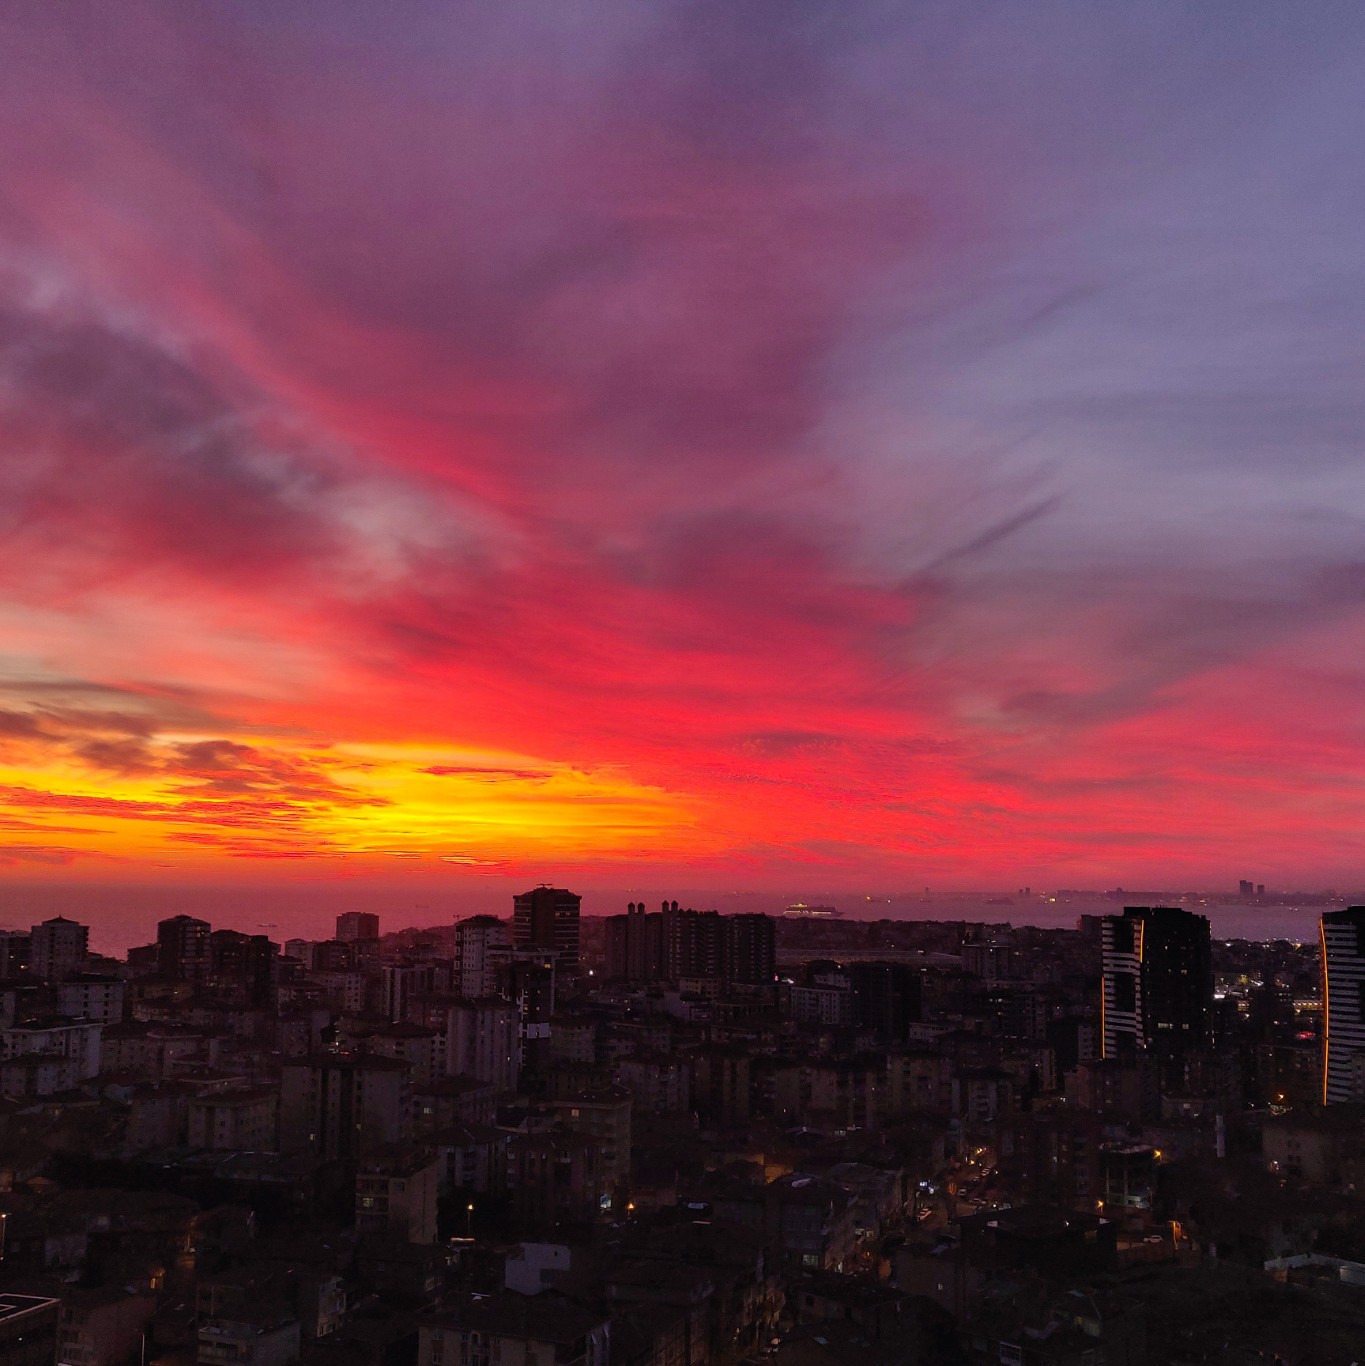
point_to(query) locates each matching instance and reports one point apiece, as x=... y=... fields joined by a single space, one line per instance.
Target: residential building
x=395 y=1193
x=546 y=919
x=235 y=1121
x=183 y=946
x=354 y=925
x=517 y=1330
x=477 y=940
x=57 y=948
x=87 y=997
x=342 y=1105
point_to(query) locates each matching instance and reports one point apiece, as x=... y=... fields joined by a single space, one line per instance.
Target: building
x=1343 y=997
x=183 y=948
x=57 y=948
x=557 y=1177
x=526 y=977
x=28 y=1330
x=483 y=1041
x=355 y=925
x=603 y=1116
x=87 y=997
x=750 y=949
x=16 y=948
x=244 y=967
x=546 y=919
x=235 y=1121
x=635 y=945
x=342 y=1105
x=76 y=1040
x=395 y=1193
x=1158 y=983
x=102 y=1327
x=517 y=1330
x=884 y=998
x=477 y=941
x=266 y=1337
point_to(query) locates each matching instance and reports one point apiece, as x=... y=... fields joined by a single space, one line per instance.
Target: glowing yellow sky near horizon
x=196 y=800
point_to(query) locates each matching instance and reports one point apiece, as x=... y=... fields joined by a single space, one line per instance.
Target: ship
x=798 y=910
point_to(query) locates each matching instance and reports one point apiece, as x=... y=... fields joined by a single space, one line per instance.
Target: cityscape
x=682 y=683
x=667 y=1137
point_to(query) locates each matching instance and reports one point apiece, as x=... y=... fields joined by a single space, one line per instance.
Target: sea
x=124 y=915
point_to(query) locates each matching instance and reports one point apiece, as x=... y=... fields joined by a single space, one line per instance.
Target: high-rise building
x=671 y=944
x=1343 y=1005
x=751 y=949
x=57 y=948
x=184 y=950
x=477 y=939
x=635 y=945
x=546 y=919
x=339 y=1106
x=244 y=966
x=885 y=998
x=353 y=925
x=483 y=1040
x=527 y=978
x=1158 y=983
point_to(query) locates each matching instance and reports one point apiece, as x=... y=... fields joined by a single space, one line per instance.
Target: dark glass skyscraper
x=1343 y=1005
x=1158 y=982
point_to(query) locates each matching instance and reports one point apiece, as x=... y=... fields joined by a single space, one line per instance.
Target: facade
x=546 y=919
x=235 y=1121
x=91 y=998
x=885 y=998
x=244 y=967
x=28 y=1330
x=482 y=1041
x=517 y=1330
x=266 y=1338
x=183 y=948
x=635 y=945
x=57 y=948
x=101 y=1327
x=354 y=925
x=1343 y=997
x=1158 y=982
x=395 y=1193
x=477 y=941
x=78 y=1041
x=340 y=1106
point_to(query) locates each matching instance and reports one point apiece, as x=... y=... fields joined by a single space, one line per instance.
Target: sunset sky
x=835 y=444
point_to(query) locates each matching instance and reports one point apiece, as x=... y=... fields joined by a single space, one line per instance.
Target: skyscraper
x=1158 y=982
x=546 y=918
x=1343 y=1004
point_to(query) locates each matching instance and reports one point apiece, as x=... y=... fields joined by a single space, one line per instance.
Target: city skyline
x=681 y=445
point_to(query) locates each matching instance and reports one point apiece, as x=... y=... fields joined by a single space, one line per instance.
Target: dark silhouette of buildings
x=671 y=944
x=546 y=919
x=1158 y=983
x=353 y=925
x=1343 y=1005
x=183 y=948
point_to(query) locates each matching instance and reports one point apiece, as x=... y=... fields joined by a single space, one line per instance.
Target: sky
x=767 y=443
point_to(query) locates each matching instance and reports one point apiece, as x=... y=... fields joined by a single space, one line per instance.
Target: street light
x=469 y=1220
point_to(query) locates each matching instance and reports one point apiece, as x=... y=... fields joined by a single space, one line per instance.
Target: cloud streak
x=910 y=443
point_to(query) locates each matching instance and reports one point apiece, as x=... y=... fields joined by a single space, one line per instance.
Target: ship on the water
x=798 y=910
